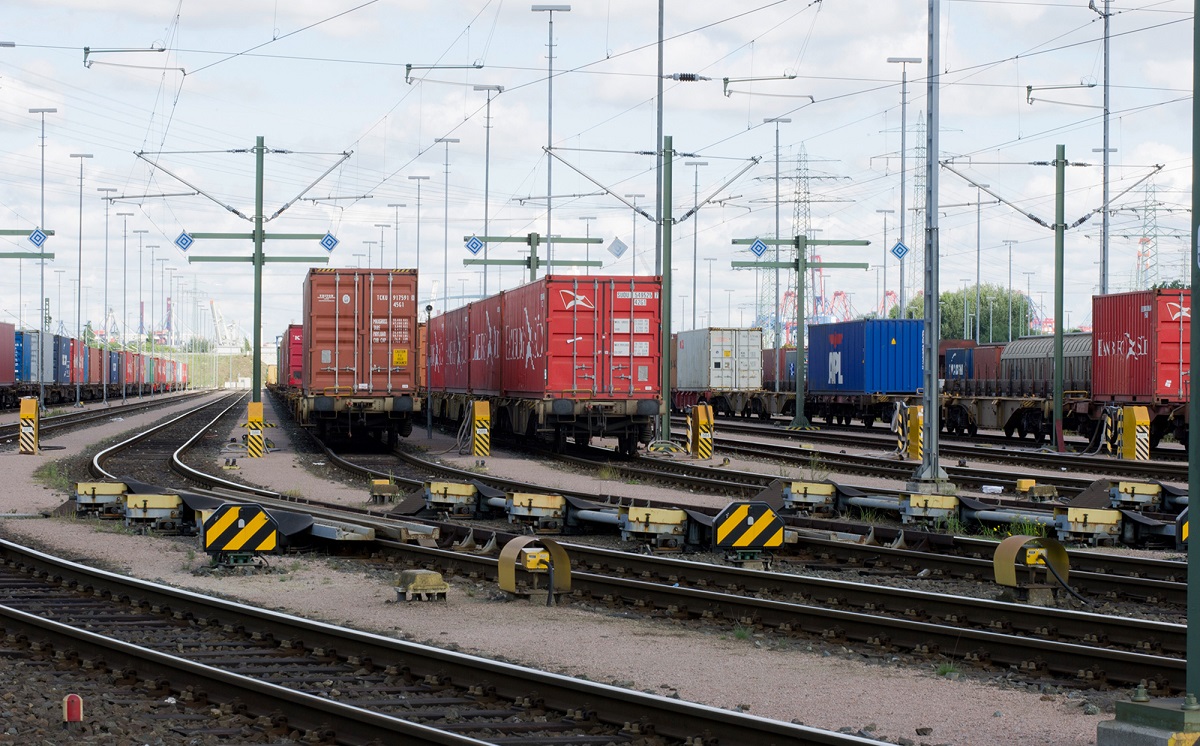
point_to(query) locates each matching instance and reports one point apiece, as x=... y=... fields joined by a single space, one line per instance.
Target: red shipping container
x=183 y=367
x=129 y=371
x=484 y=344
x=8 y=347
x=423 y=358
x=293 y=356
x=583 y=337
x=360 y=332
x=1140 y=349
x=78 y=362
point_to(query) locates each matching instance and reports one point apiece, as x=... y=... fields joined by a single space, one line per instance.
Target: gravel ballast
x=765 y=675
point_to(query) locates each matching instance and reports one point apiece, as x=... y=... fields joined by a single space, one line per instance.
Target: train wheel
x=972 y=430
x=1021 y=431
x=868 y=421
x=583 y=438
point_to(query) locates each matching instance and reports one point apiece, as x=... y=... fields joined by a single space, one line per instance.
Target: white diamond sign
x=37 y=238
x=617 y=248
x=899 y=250
x=329 y=243
x=758 y=247
x=184 y=242
x=474 y=245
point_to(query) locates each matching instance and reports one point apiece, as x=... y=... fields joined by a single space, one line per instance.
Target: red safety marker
x=72 y=709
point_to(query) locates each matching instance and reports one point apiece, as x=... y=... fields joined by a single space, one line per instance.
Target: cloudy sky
x=320 y=79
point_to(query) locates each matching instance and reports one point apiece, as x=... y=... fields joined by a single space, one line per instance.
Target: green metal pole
x=1193 y=592
x=668 y=155
x=1060 y=171
x=255 y=373
x=533 y=256
x=801 y=330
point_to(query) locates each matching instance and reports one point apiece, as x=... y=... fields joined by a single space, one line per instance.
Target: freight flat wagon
x=561 y=357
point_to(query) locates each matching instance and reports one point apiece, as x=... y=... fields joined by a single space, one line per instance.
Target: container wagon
x=721 y=367
x=561 y=357
x=359 y=355
x=858 y=369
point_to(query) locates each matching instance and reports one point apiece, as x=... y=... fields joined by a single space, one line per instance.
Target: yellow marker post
x=254 y=431
x=29 y=426
x=481 y=419
x=700 y=432
x=916 y=432
x=1135 y=433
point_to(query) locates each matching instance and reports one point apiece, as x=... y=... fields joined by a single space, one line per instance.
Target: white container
x=719 y=359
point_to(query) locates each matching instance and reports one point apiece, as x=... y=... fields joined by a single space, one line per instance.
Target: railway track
x=61 y=422
x=1090 y=650
x=470 y=698
x=997 y=450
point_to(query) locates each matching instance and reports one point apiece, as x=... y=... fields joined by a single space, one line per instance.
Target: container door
x=334 y=305
x=1173 y=343
x=388 y=319
x=748 y=355
x=724 y=363
x=608 y=335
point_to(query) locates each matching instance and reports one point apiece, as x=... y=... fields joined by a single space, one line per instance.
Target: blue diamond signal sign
x=329 y=243
x=899 y=250
x=37 y=238
x=474 y=245
x=184 y=242
x=758 y=247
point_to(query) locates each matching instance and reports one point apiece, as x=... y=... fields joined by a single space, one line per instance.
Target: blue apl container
x=62 y=359
x=115 y=372
x=21 y=357
x=960 y=363
x=867 y=356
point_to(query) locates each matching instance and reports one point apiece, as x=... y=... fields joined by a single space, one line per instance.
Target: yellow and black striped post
x=916 y=432
x=481 y=418
x=700 y=432
x=29 y=426
x=900 y=427
x=747 y=525
x=254 y=431
x=1135 y=433
x=1111 y=420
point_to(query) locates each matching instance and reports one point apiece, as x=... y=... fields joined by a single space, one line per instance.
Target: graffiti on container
x=528 y=343
x=1127 y=347
x=572 y=300
x=485 y=344
x=456 y=343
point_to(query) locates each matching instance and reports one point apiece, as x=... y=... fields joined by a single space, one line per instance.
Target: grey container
x=719 y=359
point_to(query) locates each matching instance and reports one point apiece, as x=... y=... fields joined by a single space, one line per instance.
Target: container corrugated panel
x=1030 y=360
x=130 y=365
x=582 y=337
x=960 y=363
x=484 y=345
x=79 y=369
x=423 y=346
x=719 y=359
x=186 y=379
x=436 y=336
x=360 y=328
x=1142 y=346
x=8 y=350
x=867 y=356
x=987 y=362
x=779 y=366
x=62 y=359
x=114 y=367
x=95 y=365
x=454 y=348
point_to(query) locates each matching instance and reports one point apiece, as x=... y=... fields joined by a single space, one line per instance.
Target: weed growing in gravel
x=816 y=471
x=292 y=493
x=742 y=633
x=54 y=475
x=868 y=515
x=608 y=473
x=952 y=524
x=946 y=668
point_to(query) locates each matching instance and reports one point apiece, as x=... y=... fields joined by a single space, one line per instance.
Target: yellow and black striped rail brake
x=240 y=527
x=747 y=525
x=481 y=419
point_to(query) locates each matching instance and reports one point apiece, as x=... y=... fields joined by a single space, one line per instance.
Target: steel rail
x=670 y=717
